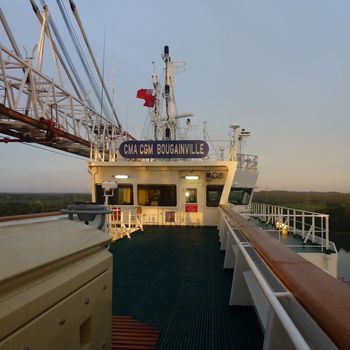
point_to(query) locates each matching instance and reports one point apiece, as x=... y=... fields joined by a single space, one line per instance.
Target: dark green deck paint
x=172 y=279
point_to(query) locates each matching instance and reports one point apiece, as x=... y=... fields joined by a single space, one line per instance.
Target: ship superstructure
x=175 y=180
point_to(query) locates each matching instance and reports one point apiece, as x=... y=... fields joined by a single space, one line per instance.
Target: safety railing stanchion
x=294 y=222
x=327 y=232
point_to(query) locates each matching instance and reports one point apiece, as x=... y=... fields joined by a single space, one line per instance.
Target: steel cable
x=82 y=58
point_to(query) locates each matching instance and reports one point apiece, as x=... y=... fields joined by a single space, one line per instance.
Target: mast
x=156 y=109
x=165 y=125
x=169 y=96
x=166 y=59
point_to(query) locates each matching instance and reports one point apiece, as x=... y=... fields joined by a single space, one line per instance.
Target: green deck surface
x=172 y=279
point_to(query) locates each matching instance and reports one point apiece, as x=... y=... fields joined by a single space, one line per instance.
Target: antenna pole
x=155 y=111
x=166 y=87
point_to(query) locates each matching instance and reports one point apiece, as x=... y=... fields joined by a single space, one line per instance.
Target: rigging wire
x=82 y=57
x=50 y=150
x=76 y=74
x=92 y=56
x=57 y=52
x=66 y=55
x=78 y=46
x=147 y=124
x=103 y=65
x=68 y=58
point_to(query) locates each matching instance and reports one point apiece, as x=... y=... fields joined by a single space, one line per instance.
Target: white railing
x=108 y=151
x=124 y=221
x=310 y=226
x=286 y=324
x=104 y=151
x=247 y=161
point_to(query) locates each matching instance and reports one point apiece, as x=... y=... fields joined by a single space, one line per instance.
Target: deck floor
x=172 y=279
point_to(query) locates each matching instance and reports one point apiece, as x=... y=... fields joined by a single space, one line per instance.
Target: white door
x=190 y=204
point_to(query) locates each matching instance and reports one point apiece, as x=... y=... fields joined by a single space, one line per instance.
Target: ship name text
x=164 y=149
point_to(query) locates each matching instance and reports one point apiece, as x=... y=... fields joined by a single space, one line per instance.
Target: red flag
x=147 y=95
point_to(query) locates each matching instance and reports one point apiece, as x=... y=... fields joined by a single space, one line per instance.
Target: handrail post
x=294 y=222
x=322 y=233
x=303 y=225
x=279 y=214
x=327 y=232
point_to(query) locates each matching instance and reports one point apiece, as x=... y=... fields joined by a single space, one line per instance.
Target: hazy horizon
x=279 y=69
x=19 y=192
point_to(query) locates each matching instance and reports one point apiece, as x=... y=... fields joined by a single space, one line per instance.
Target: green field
x=27 y=203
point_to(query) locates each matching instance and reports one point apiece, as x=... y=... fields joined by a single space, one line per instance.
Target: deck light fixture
x=191 y=177
x=121 y=177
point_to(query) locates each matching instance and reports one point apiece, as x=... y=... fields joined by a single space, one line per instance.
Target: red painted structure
x=130 y=334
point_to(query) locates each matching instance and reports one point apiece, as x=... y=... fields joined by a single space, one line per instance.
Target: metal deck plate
x=173 y=280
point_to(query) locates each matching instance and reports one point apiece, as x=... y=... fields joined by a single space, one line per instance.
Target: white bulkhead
x=169 y=192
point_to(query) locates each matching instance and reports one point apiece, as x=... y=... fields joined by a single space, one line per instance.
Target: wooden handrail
x=28 y=216
x=326 y=299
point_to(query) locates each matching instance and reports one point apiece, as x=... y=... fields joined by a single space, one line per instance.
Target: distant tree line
x=335 y=204
x=28 y=203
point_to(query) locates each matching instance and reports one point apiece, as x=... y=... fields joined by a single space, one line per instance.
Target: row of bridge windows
x=166 y=196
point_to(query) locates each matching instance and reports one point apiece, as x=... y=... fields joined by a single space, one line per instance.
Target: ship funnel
x=166 y=50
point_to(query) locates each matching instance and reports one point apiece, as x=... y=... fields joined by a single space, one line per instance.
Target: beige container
x=55 y=287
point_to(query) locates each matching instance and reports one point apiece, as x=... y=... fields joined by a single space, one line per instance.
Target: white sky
x=281 y=69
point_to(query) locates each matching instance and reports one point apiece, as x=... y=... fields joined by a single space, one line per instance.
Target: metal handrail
x=321 y=295
x=247 y=161
x=124 y=220
x=288 y=324
x=309 y=225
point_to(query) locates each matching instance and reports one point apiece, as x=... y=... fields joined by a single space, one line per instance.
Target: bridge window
x=213 y=195
x=157 y=195
x=240 y=196
x=123 y=195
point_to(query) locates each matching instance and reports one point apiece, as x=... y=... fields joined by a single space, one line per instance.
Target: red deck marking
x=130 y=334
